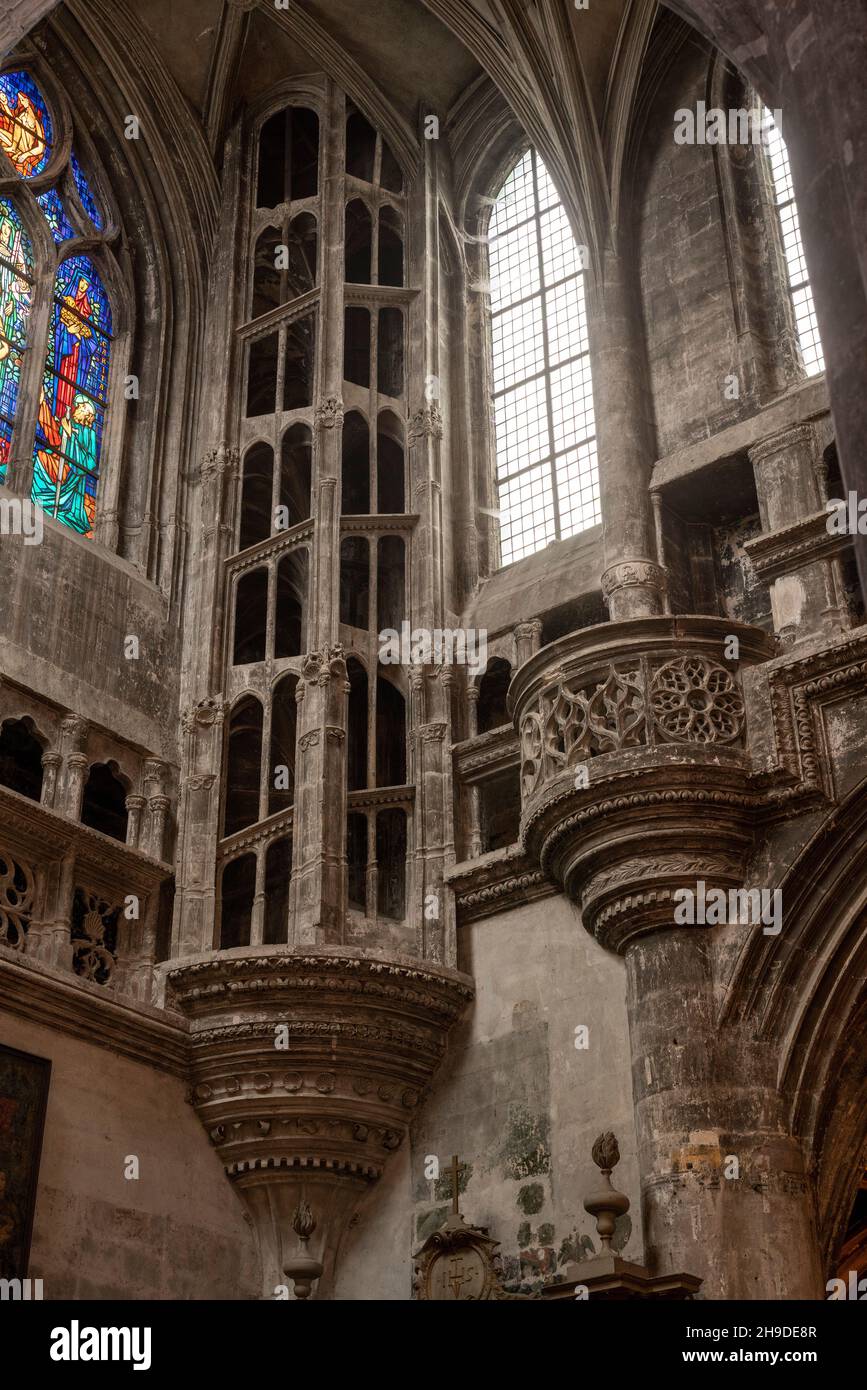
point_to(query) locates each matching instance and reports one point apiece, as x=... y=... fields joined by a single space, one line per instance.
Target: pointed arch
x=803 y=993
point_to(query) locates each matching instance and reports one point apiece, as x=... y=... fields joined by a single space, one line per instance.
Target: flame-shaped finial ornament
x=303 y=1222
x=606 y=1154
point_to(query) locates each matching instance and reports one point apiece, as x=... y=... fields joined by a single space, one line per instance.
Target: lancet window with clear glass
x=796 y=262
x=542 y=391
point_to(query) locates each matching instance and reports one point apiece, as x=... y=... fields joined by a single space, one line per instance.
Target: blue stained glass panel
x=26 y=132
x=55 y=215
x=71 y=418
x=88 y=201
x=16 y=263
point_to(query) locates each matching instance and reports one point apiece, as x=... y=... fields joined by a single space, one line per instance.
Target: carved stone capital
x=632 y=574
x=426 y=423
x=321 y=667
x=73 y=731
x=329 y=413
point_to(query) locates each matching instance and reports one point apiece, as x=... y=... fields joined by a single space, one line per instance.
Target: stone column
x=528 y=639
x=320 y=800
x=632 y=581
x=51 y=765
x=804 y=602
x=73 y=737
x=134 y=806
x=158 y=804
x=704 y=1097
x=193 y=927
x=473 y=799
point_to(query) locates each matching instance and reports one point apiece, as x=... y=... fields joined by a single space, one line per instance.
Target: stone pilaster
x=789 y=488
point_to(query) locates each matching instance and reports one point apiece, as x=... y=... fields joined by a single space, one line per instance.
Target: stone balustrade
x=615 y=720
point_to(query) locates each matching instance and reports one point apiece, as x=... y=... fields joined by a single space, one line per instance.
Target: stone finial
x=304 y=1222
x=606 y=1154
x=302 y=1269
x=606 y=1203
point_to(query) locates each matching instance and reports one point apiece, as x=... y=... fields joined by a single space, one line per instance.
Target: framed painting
x=23 y=1097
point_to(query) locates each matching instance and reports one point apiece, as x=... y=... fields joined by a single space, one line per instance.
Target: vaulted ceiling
x=569 y=74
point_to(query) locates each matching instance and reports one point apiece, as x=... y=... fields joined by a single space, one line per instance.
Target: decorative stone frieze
x=307 y=1067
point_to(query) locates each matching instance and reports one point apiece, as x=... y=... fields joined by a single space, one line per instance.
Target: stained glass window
x=543 y=401
x=88 y=201
x=796 y=264
x=55 y=215
x=16 y=288
x=73 y=397
x=25 y=124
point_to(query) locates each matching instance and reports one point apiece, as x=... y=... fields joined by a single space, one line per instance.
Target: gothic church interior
x=433 y=655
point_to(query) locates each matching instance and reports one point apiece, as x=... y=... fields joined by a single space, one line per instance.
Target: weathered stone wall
x=686 y=295
x=68 y=605
x=176 y=1232
x=18 y=17
x=520 y=1104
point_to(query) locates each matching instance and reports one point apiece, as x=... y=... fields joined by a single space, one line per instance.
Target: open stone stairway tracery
x=416 y=465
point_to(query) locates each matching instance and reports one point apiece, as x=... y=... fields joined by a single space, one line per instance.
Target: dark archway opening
x=103 y=805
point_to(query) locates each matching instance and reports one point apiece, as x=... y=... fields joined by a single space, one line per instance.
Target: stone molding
x=63 y=1002
x=777 y=553
x=483 y=888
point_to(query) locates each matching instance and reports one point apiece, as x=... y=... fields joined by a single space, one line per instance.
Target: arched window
x=71 y=417
x=543 y=401
x=796 y=263
x=21 y=758
x=69 y=414
x=16 y=293
x=103 y=804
